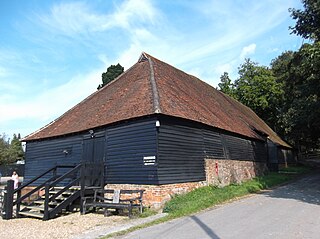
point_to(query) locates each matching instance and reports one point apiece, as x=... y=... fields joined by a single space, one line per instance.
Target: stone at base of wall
x=224 y=172
x=218 y=172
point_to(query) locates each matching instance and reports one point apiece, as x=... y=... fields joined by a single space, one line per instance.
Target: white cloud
x=79 y=17
x=53 y=102
x=205 y=41
x=248 y=50
x=227 y=67
x=135 y=11
x=230 y=25
x=70 y=18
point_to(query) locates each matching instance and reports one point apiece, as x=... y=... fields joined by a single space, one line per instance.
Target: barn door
x=93 y=149
x=93 y=158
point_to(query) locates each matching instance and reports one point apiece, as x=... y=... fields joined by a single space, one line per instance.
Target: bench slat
x=99 y=200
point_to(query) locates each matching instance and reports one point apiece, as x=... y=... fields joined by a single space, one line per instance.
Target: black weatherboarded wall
x=180 y=153
x=142 y=152
x=126 y=147
x=183 y=145
x=45 y=154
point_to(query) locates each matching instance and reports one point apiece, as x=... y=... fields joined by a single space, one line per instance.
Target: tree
x=258 y=89
x=4 y=149
x=280 y=67
x=304 y=89
x=308 y=20
x=112 y=72
x=226 y=85
x=299 y=72
x=12 y=151
x=16 y=151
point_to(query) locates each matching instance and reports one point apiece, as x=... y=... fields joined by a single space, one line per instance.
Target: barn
x=158 y=128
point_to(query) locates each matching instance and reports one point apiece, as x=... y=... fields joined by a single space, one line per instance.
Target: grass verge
x=209 y=196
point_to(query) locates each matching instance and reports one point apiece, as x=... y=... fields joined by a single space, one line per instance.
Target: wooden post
x=54 y=173
x=46 y=203
x=82 y=186
x=18 y=201
x=102 y=175
x=8 y=200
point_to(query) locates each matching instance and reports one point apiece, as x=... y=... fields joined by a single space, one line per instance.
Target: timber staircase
x=57 y=191
x=67 y=201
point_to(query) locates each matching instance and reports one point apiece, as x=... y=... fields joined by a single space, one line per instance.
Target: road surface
x=290 y=211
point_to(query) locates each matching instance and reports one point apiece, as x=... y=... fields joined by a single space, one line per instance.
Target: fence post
x=8 y=200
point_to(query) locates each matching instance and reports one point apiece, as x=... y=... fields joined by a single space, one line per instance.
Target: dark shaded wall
x=122 y=147
x=183 y=146
x=142 y=151
x=180 y=153
x=45 y=154
x=131 y=153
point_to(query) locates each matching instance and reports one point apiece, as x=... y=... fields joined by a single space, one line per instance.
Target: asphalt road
x=290 y=211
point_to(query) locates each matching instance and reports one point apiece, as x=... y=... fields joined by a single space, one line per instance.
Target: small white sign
x=149 y=160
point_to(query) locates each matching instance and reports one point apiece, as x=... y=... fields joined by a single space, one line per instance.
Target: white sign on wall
x=149 y=160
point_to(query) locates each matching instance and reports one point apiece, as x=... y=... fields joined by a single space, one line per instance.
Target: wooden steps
x=36 y=209
x=31 y=214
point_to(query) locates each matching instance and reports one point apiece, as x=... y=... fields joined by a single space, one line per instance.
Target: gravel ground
x=64 y=227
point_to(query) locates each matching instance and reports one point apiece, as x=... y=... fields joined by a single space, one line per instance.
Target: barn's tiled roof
x=153 y=87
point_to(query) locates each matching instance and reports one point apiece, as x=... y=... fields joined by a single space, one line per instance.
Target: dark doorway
x=93 y=158
x=93 y=149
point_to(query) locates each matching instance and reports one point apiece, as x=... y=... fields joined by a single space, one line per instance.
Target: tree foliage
x=10 y=151
x=286 y=95
x=256 y=88
x=307 y=20
x=112 y=72
x=226 y=85
x=301 y=109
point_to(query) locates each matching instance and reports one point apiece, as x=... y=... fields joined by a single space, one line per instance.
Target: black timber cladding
x=244 y=149
x=126 y=147
x=180 y=152
x=177 y=148
x=45 y=154
x=213 y=145
x=183 y=146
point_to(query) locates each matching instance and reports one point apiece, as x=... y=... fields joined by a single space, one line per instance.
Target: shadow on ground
x=306 y=189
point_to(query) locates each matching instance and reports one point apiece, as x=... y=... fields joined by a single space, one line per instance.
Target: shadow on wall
x=306 y=190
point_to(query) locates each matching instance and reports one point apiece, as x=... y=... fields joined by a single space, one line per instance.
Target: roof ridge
x=155 y=93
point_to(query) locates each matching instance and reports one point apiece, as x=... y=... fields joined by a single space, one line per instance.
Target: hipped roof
x=154 y=87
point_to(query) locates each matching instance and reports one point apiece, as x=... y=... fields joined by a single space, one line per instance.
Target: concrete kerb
x=101 y=231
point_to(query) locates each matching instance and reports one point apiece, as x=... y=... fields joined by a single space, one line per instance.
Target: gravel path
x=64 y=227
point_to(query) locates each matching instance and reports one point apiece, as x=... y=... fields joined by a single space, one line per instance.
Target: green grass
x=209 y=196
x=147 y=212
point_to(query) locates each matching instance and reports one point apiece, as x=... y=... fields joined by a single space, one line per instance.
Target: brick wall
x=156 y=195
x=218 y=172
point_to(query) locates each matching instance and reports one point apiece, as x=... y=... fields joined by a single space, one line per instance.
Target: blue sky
x=52 y=53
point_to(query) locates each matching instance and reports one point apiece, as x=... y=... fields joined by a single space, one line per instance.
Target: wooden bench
x=114 y=199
